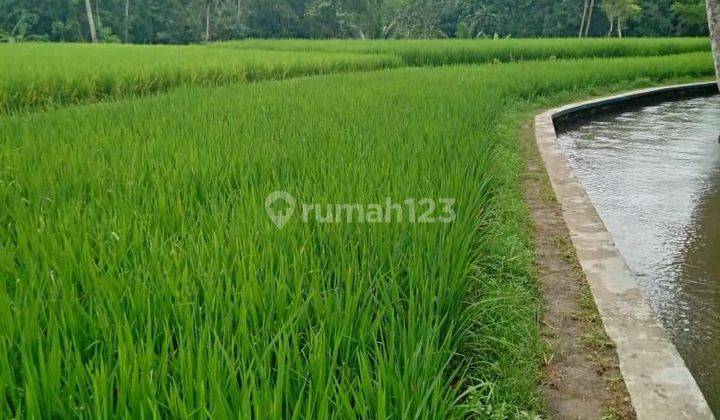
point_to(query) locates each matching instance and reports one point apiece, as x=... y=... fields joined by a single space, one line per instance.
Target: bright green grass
x=443 y=52
x=142 y=277
x=36 y=76
x=44 y=76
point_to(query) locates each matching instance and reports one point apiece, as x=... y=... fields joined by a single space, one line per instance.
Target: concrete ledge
x=577 y=113
x=659 y=383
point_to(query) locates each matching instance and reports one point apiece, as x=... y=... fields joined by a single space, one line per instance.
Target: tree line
x=191 y=21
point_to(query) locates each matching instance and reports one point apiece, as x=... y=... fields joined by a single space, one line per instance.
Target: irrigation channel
x=653 y=174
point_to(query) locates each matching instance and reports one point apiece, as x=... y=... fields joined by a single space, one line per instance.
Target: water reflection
x=700 y=271
x=654 y=176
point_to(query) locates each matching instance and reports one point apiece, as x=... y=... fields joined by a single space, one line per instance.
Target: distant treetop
x=191 y=21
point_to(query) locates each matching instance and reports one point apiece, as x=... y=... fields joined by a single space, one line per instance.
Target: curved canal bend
x=653 y=174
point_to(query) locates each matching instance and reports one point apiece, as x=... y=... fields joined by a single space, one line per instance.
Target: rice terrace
x=359 y=209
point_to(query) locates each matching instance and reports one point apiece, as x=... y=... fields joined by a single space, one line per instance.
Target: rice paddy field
x=441 y=52
x=141 y=277
x=42 y=76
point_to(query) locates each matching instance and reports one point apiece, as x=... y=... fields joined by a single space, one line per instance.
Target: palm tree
x=91 y=21
x=713 y=9
x=582 y=22
x=589 y=17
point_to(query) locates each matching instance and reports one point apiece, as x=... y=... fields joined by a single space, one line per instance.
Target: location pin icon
x=280 y=206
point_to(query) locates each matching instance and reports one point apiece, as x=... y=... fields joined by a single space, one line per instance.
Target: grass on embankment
x=42 y=76
x=478 y=51
x=141 y=275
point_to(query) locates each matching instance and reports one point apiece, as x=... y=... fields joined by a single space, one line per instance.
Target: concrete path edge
x=657 y=379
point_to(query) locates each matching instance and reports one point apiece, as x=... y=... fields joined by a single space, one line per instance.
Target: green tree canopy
x=186 y=21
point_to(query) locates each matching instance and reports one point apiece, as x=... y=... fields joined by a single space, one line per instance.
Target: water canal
x=653 y=174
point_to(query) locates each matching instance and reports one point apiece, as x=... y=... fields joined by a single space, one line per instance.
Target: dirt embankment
x=582 y=379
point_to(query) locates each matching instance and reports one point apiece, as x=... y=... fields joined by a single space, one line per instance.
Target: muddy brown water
x=653 y=175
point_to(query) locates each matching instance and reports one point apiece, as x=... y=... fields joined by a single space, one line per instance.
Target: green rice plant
x=140 y=275
x=477 y=51
x=36 y=76
x=42 y=76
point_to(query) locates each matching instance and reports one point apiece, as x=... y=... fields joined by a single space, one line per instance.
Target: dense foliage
x=140 y=276
x=174 y=21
